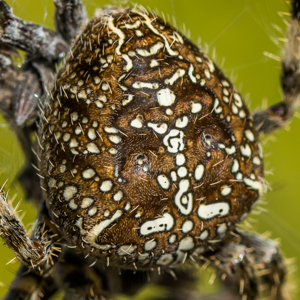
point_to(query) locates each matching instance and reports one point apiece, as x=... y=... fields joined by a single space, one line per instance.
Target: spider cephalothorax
x=148 y=150
x=146 y=155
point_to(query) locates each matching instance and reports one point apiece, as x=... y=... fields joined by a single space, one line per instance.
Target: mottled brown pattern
x=129 y=155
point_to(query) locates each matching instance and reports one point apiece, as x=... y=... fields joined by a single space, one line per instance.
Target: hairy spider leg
x=38 y=251
x=252 y=264
x=22 y=92
x=281 y=113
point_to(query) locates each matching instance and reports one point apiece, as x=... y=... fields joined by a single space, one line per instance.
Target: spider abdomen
x=151 y=153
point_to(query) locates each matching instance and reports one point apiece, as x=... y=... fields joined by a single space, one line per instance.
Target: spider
x=146 y=155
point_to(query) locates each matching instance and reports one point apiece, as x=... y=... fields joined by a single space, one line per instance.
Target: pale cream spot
x=118 y=196
x=66 y=137
x=88 y=173
x=96 y=80
x=196 y=107
x=52 y=182
x=74 y=116
x=85 y=120
x=150 y=245
x=113 y=151
x=69 y=192
x=165 y=97
x=256 y=160
x=92 y=148
x=226 y=190
x=199 y=172
x=92 y=211
x=106 y=213
x=105 y=86
x=86 y=202
x=163 y=181
x=187 y=226
x=115 y=139
x=106 y=185
x=73 y=205
x=203 y=235
x=172 y=238
x=73 y=143
x=111 y=129
x=136 y=123
x=92 y=134
x=82 y=95
x=62 y=168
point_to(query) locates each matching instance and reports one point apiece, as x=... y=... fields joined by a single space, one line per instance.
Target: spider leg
x=251 y=264
x=29 y=285
x=70 y=16
x=23 y=89
x=40 y=252
x=34 y=39
x=280 y=114
x=79 y=279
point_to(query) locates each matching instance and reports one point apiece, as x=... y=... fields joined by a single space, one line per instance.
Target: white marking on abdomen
x=238 y=100
x=153 y=63
x=165 y=97
x=182 y=201
x=111 y=129
x=235 y=166
x=230 y=150
x=204 y=235
x=187 y=226
x=182 y=171
x=225 y=190
x=246 y=150
x=213 y=210
x=182 y=122
x=91 y=235
x=135 y=25
x=162 y=224
x=148 y=22
x=256 y=160
x=165 y=259
x=178 y=73
x=153 y=50
x=136 y=123
x=249 y=135
x=118 y=32
x=196 y=107
x=128 y=67
x=159 y=128
x=128 y=100
x=174 y=141
x=199 y=172
x=180 y=159
x=186 y=244
x=190 y=73
x=254 y=184
x=147 y=85
x=163 y=181
x=106 y=185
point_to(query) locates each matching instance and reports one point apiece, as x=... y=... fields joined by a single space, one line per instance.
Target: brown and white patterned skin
x=150 y=153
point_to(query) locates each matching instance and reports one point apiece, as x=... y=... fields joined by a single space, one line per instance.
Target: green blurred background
x=238 y=32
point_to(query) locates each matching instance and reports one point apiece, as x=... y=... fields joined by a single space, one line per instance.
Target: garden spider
x=165 y=98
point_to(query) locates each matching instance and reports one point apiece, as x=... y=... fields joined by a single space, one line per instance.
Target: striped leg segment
x=281 y=113
x=251 y=264
x=38 y=252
